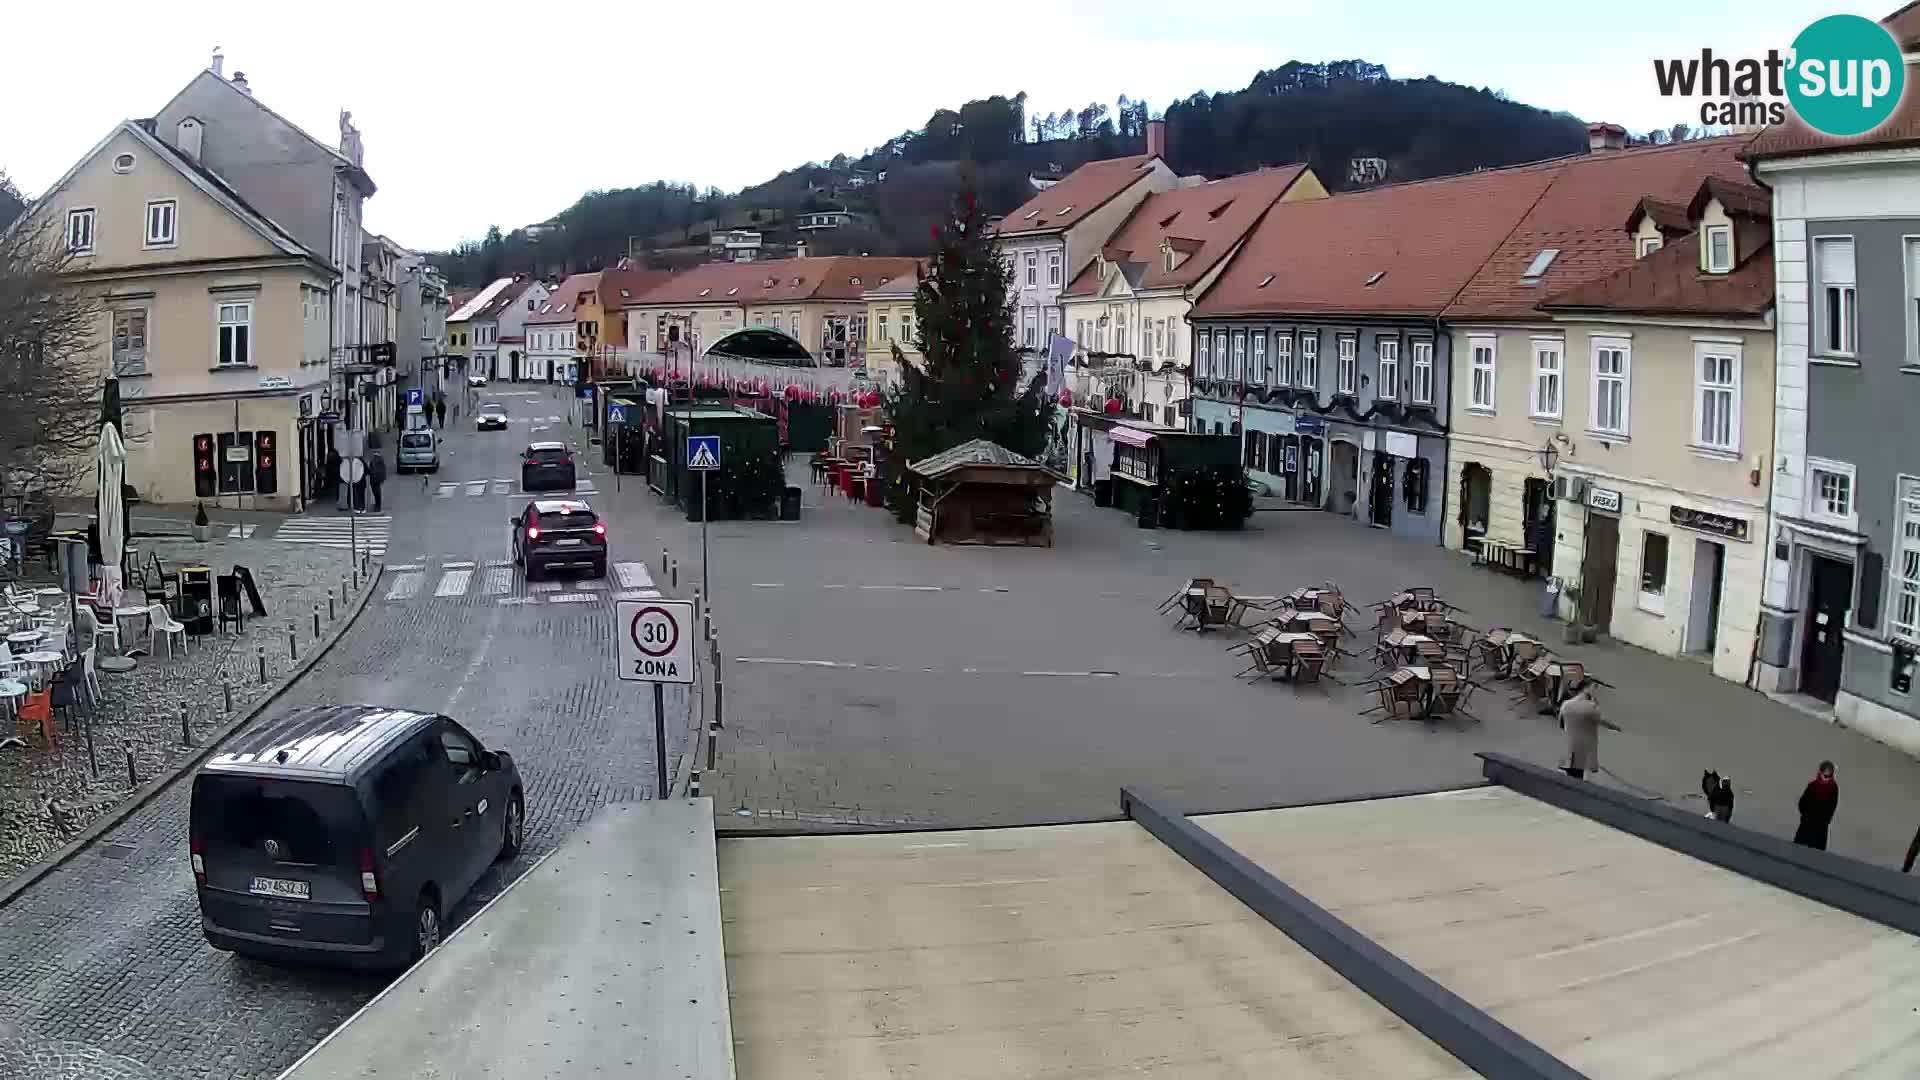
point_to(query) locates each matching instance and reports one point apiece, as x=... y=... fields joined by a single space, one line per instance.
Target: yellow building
x=890 y=326
x=214 y=319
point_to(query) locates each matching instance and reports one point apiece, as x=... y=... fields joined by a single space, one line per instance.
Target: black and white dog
x=1719 y=792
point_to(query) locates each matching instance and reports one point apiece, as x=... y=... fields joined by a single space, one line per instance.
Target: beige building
x=890 y=326
x=214 y=318
x=1126 y=311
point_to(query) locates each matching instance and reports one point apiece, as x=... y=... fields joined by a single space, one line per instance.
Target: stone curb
x=12 y=889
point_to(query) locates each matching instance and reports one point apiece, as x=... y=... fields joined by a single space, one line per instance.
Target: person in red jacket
x=1817 y=804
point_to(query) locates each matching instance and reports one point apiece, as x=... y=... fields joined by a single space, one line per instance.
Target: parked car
x=419 y=449
x=345 y=834
x=492 y=417
x=476 y=380
x=546 y=466
x=551 y=533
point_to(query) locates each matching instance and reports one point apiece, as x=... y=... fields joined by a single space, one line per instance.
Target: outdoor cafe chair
x=1178 y=598
x=1449 y=693
x=162 y=626
x=102 y=625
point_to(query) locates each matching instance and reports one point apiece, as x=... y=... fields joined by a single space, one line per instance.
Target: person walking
x=377 y=476
x=440 y=408
x=1580 y=716
x=1818 y=801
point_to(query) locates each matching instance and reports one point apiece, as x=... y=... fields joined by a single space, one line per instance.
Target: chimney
x=240 y=83
x=187 y=137
x=219 y=65
x=1157 y=138
x=1606 y=137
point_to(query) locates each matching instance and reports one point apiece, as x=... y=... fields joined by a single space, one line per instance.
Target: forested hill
x=1324 y=114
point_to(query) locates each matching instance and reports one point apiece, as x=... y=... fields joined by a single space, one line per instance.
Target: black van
x=345 y=834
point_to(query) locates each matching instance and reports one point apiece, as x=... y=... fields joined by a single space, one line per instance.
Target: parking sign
x=655 y=640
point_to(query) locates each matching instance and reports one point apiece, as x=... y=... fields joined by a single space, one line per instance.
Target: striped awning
x=1130 y=436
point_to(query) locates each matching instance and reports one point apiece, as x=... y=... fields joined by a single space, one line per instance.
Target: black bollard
x=316 y=622
x=293 y=645
x=226 y=688
x=186 y=728
x=674 y=575
x=329 y=606
x=261 y=652
x=133 y=777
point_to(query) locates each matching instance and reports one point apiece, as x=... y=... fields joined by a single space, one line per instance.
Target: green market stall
x=749 y=481
x=1180 y=479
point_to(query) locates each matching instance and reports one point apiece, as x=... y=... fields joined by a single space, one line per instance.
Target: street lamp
x=1549 y=456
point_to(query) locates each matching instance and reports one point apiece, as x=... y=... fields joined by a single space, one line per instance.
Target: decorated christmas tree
x=968 y=386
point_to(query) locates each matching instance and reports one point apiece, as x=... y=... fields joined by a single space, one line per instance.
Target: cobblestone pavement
x=102 y=964
x=140 y=709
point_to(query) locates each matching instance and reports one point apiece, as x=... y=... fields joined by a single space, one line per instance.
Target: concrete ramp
x=1046 y=952
x=604 y=960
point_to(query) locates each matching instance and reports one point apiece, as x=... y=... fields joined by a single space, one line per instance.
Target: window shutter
x=1834 y=262
x=1873 y=574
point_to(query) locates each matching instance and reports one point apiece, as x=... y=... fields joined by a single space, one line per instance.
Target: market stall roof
x=979 y=454
x=764 y=345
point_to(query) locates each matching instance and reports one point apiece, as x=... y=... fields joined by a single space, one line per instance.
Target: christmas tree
x=968 y=385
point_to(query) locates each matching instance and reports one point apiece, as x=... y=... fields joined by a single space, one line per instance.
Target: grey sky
x=479 y=114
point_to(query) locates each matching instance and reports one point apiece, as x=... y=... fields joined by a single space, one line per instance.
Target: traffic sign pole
x=706 y=511
x=660 y=739
x=653 y=642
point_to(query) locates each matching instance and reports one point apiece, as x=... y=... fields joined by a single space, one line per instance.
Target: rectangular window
x=1160 y=337
x=80 y=231
x=1239 y=356
x=1653 y=571
x=1053 y=324
x=130 y=342
x=1830 y=495
x=1423 y=373
x=1027 y=330
x=236 y=333
x=1388 y=386
x=1283 y=359
x=1204 y=355
x=1310 y=360
x=1833 y=272
x=1648 y=245
x=1719 y=249
x=1033 y=268
x=1260 y=373
x=1222 y=358
x=1053 y=268
x=1717 y=397
x=1480 y=393
x=1347 y=372
x=1612 y=382
x=160 y=222
x=880 y=331
x=906 y=327
x=1906 y=564
x=1544 y=401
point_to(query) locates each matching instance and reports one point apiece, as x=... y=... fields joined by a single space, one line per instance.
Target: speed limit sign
x=655 y=640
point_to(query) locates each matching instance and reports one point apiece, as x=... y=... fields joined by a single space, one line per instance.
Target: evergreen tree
x=968 y=385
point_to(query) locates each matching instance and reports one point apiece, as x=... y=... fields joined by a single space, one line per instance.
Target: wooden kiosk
x=982 y=493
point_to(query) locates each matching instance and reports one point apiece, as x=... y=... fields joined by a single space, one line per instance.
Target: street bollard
x=226 y=688
x=261 y=652
x=186 y=729
x=93 y=760
x=696 y=603
x=329 y=605
x=693 y=785
x=719 y=692
x=663 y=558
x=713 y=734
x=674 y=576
x=293 y=645
x=133 y=777
x=316 y=622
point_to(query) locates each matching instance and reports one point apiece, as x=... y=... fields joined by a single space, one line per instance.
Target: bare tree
x=50 y=376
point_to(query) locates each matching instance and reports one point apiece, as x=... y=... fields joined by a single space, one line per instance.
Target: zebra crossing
x=369 y=531
x=497 y=581
x=476 y=489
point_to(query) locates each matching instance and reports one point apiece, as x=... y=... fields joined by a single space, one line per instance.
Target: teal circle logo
x=1847 y=75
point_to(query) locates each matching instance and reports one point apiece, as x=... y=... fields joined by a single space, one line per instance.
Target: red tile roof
x=1902 y=128
x=562 y=305
x=1426 y=238
x=1579 y=215
x=1667 y=217
x=1204 y=221
x=831 y=277
x=505 y=298
x=1083 y=191
x=1670 y=282
x=626 y=282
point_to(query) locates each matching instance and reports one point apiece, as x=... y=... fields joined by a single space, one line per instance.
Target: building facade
x=1842 y=603
x=1668 y=379
x=422 y=338
x=890 y=327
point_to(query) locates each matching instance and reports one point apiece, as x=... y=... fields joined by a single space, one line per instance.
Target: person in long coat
x=1580 y=716
x=1818 y=801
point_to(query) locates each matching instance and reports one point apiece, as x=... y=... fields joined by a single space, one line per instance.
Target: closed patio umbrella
x=110 y=510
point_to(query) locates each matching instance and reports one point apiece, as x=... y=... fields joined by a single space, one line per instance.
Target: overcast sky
x=474 y=118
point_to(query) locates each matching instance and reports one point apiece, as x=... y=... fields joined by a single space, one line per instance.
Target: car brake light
x=199 y=848
x=369 y=884
x=567 y=461
x=533 y=532
x=600 y=528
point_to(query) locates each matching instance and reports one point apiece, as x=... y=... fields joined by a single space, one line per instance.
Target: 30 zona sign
x=655 y=640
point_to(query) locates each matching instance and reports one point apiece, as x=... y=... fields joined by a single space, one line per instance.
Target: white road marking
x=905 y=588
x=461 y=565
x=406 y=585
x=517 y=600
x=499 y=562
x=446 y=491
x=398 y=569
x=369 y=531
x=241 y=532
x=633 y=575
x=476 y=487
x=769 y=585
x=546 y=586
x=793 y=663
x=453 y=583
x=589 y=585
x=585 y=487
x=848 y=664
x=639 y=594
x=502 y=487
x=918 y=847
x=499 y=581
x=573 y=598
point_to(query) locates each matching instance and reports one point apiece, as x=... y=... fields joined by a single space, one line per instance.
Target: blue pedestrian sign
x=616 y=414
x=416 y=395
x=703 y=451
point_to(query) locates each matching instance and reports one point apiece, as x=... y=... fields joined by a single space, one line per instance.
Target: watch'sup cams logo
x=1843 y=76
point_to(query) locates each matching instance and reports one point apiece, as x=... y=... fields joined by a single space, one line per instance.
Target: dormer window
x=1538 y=267
x=1717 y=241
x=1647 y=246
x=1166 y=254
x=854 y=280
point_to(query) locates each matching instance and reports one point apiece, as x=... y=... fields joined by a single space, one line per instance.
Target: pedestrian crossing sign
x=703 y=451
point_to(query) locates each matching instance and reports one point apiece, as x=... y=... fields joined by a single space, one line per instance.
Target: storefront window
x=1414 y=484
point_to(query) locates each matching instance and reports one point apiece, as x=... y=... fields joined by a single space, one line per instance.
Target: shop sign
x=1604 y=499
x=1310 y=425
x=1706 y=521
x=276 y=382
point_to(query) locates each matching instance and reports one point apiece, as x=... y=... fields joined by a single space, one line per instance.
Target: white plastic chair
x=102 y=626
x=92 y=679
x=11 y=666
x=161 y=624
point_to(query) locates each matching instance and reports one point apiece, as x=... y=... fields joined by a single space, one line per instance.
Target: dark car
x=345 y=834
x=546 y=466
x=493 y=417
x=551 y=533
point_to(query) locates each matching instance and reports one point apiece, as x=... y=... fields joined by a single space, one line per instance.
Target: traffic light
x=265 y=480
x=205 y=480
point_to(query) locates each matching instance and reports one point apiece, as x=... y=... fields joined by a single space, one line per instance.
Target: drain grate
x=117 y=851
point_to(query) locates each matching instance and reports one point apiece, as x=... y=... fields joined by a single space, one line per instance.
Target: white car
x=476 y=380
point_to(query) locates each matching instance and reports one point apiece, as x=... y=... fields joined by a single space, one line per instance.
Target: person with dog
x=1580 y=716
x=1818 y=801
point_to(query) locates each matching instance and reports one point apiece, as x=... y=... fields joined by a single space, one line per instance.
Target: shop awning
x=1131 y=436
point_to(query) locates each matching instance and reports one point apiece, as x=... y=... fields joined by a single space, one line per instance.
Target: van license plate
x=291 y=890
x=567 y=543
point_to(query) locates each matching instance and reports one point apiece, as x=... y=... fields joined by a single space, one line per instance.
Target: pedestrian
x=329 y=481
x=360 y=491
x=1581 y=718
x=1818 y=801
x=377 y=476
x=1719 y=792
x=440 y=408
